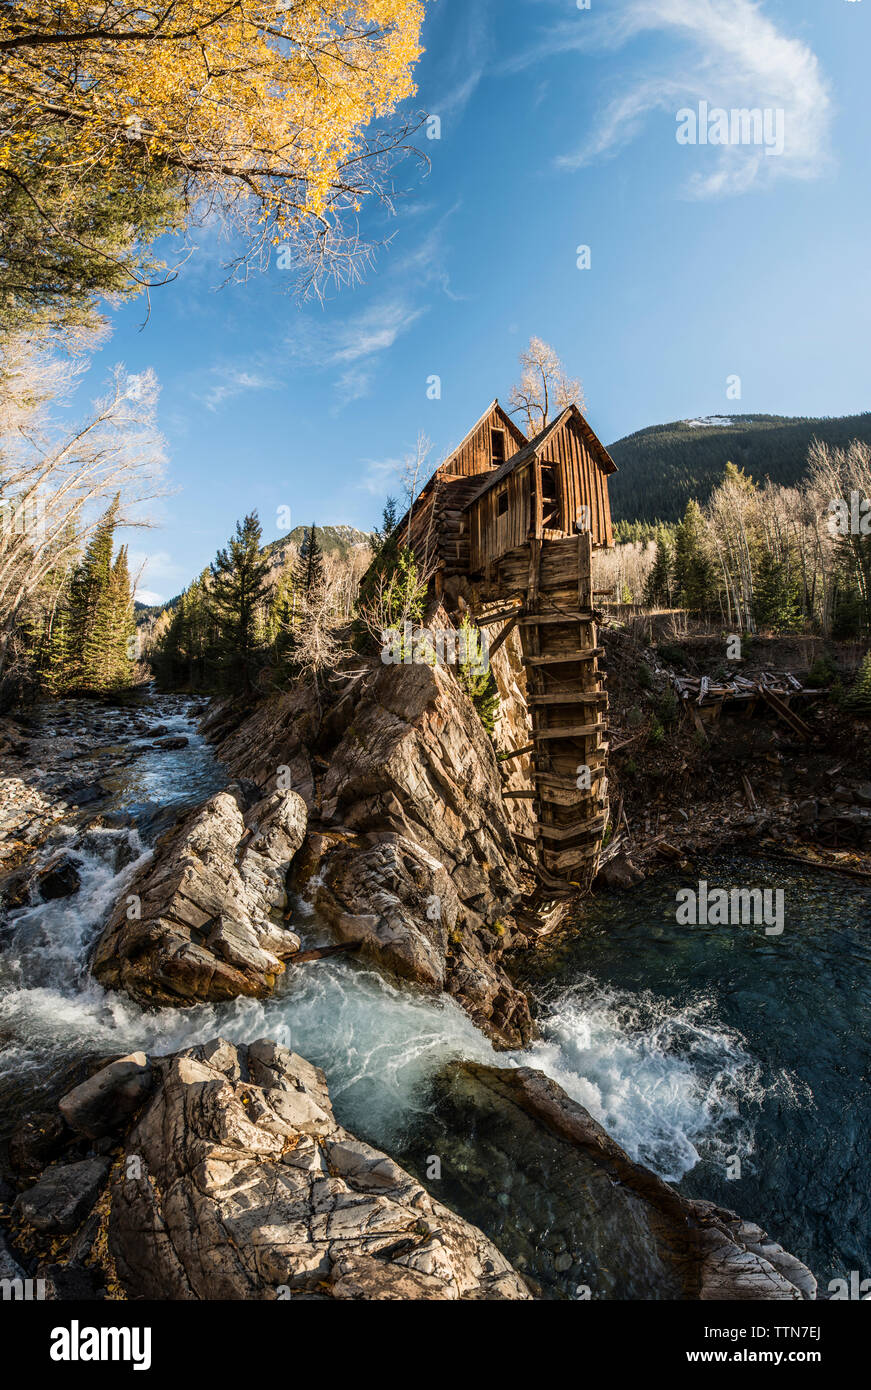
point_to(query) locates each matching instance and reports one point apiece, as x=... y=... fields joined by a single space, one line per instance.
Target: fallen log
x=322 y=952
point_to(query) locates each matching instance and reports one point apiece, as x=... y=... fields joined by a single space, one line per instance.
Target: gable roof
x=440 y=473
x=534 y=447
x=504 y=418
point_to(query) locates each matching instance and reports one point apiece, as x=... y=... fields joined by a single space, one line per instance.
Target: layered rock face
x=237 y=1182
x=411 y=851
x=198 y=921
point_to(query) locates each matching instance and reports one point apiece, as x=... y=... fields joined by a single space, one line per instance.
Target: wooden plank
x=520 y=796
x=783 y=712
x=551 y=779
x=488 y=619
x=589 y=654
x=571 y=697
x=576 y=615
x=574 y=858
x=572 y=731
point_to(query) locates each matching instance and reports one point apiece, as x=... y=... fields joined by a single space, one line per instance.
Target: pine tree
x=120 y=658
x=858 y=697
x=282 y=621
x=693 y=571
x=480 y=685
x=659 y=585
x=777 y=594
x=237 y=597
x=89 y=619
x=309 y=573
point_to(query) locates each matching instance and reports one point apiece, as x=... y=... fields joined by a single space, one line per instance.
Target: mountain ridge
x=662 y=466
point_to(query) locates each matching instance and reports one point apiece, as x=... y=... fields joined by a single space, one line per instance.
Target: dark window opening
x=497 y=447
x=550 y=511
x=502 y=503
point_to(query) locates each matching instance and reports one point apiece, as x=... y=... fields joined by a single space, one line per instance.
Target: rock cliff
x=410 y=851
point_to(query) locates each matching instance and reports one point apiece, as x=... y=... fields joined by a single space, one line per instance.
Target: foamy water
x=662 y=1081
x=659 y=1082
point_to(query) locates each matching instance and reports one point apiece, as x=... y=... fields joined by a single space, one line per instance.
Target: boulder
x=60 y=878
x=210 y=901
x=63 y=1196
x=36 y=1140
x=100 y=1105
x=250 y=1189
x=171 y=744
x=619 y=874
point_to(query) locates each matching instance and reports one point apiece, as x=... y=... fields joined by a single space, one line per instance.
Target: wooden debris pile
x=704 y=697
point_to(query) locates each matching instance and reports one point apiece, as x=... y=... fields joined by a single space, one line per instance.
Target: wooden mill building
x=512 y=523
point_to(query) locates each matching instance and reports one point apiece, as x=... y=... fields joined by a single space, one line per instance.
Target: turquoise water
x=697 y=1045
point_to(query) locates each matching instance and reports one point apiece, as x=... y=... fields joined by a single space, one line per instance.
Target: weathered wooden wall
x=490 y=534
x=474 y=454
x=582 y=483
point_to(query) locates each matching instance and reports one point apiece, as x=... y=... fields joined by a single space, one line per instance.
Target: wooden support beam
x=488 y=619
x=589 y=828
x=571 y=697
x=576 y=615
x=588 y=654
x=576 y=858
x=551 y=779
x=517 y=753
x=520 y=796
x=506 y=632
x=789 y=716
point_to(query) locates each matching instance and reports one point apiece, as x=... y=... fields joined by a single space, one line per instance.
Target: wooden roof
x=534 y=447
x=443 y=469
x=504 y=418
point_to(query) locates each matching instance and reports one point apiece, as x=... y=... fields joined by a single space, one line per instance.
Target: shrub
x=823 y=671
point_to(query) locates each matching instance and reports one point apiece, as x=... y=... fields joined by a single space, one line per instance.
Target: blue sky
x=558 y=129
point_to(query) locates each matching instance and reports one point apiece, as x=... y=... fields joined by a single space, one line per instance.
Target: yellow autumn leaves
x=270 y=111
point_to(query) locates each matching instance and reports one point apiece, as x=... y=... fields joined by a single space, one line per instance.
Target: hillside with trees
x=662 y=467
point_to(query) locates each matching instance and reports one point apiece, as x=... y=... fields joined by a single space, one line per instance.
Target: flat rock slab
x=64 y=1195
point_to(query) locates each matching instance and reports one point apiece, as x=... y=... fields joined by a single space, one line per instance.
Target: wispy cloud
x=730 y=54
x=379 y=475
x=230 y=381
x=461 y=76
x=160 y=570
x=375 y=330
x=352 y=344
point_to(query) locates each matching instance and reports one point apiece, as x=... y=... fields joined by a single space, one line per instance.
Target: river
x=694 y=1046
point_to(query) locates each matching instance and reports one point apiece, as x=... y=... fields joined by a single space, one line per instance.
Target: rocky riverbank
x=220 y=1171
x=410 y=853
